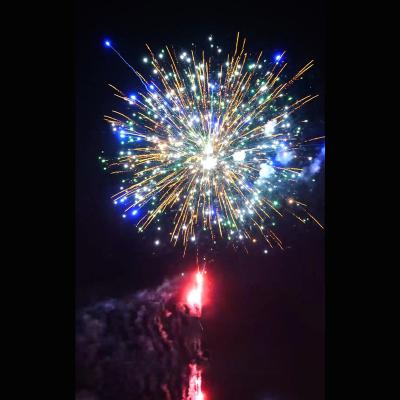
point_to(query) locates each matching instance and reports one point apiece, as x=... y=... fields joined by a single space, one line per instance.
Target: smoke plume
x=142 y=347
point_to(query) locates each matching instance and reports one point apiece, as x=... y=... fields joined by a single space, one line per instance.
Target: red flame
x=195 y=296
x=195 y=392
x=195 y=301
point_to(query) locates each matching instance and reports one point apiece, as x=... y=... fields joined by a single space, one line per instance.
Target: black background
x=265 y=325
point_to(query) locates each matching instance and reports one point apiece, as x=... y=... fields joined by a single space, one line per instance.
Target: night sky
x=265 y=328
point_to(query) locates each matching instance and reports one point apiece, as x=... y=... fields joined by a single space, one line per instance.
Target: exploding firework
x=211 y=148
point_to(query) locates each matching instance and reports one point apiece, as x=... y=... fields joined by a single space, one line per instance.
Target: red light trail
x=195 y=392
x=195 y=296
x=195 y=302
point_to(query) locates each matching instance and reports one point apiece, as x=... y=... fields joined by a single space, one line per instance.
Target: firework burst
x=210 y=146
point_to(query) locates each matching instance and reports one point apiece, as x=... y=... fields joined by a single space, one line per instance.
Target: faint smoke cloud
x=266 y=171
x=137 y=348
x=284 y=157
x=315 y=165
